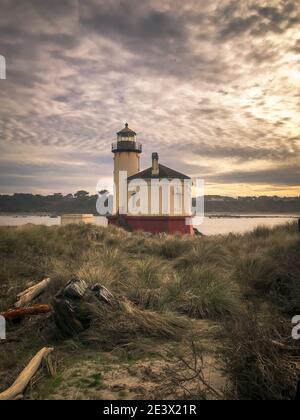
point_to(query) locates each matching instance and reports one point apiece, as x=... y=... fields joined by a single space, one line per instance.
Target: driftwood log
x=15 y=392
x=22 y=312
x=31 y=293
x=70 y=306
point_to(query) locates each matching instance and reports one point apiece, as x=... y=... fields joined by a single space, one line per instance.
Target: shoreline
x=208 y=215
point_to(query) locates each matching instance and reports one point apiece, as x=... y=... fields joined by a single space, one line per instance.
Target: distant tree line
x=261 y=204
x=80 y=202
x=83 y=202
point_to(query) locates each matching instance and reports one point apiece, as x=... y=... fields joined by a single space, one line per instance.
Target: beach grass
x=165 y=283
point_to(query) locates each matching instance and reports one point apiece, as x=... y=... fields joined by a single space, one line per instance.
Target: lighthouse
x=126 y=158
x=161 y=195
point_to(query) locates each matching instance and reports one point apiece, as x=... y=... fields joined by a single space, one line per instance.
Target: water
x=212 y=225
x=18 y=220
x=224 y=225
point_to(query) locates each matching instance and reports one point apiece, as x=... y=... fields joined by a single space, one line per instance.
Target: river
x=213 y=223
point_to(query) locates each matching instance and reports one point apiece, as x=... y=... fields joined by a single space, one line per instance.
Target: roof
x=127 y=131
x=164 y=172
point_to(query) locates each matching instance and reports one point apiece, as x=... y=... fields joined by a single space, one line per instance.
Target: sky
x=212 y=86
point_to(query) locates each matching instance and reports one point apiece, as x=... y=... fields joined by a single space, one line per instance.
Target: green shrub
x=273 y=272
x=255 y=273
x=205 y=252
x=203 y=293
x=145 y=283
x=171 y=247
x=254 y=359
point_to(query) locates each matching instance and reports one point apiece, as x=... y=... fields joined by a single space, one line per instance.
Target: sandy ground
x=100 y=375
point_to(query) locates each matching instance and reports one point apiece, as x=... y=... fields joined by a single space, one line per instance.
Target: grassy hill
x=201 y=317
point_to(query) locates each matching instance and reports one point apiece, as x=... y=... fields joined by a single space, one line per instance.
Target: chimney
x=155 y=167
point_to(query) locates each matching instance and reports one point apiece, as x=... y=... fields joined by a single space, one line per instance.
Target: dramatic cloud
x=283 y=175
x=213 y=87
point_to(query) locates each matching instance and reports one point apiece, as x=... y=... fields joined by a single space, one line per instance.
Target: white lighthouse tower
x=126 y=158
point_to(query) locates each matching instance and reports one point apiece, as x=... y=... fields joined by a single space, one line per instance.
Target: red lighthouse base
x=154 y=224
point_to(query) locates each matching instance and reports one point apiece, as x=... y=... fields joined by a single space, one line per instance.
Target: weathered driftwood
x=102 y=293
x=22 y=312
x=31 y=293
x=66 y=318
x=71 y=310
x=75 y=289
x=15 y=392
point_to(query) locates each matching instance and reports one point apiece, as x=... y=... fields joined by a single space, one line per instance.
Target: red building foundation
x=154 y=224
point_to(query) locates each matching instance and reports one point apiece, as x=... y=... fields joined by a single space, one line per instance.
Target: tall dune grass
x=167 y=280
